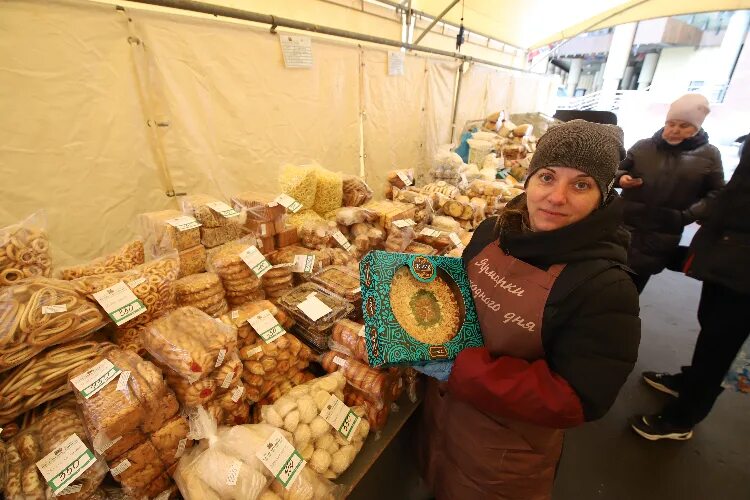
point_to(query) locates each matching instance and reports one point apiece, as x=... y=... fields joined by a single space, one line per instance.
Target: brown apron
x=469 y=454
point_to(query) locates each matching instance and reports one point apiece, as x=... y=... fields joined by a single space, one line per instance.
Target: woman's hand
x=627 y=182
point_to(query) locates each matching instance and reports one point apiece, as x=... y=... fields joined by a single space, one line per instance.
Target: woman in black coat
x=719 y=256
x=667 y=181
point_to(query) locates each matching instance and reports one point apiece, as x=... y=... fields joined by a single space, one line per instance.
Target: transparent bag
x=125 y=258
x=24 y=250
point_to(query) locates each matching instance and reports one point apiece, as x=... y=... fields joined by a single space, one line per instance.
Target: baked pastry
x=171 y=440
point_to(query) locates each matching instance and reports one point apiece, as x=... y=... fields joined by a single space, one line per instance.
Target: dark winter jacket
x=590 y=326
x=720 y=251
x=678 y=181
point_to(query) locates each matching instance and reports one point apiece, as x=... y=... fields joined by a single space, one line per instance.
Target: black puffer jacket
x=677 y=183
x=720 y=252
x=590 y=327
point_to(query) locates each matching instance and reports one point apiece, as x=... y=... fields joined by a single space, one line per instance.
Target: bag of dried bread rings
x=41 y=312
x=25 y=481
x=126 y=257
x=377 y=384
x=24 y=250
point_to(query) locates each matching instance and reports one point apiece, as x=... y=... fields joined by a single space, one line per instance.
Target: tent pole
x=217 y=10
x=455 y=105
x=435 y=21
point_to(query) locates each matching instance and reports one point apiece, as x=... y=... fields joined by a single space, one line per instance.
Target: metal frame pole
x=435 y=21
x=217 y=10
x=455 y=105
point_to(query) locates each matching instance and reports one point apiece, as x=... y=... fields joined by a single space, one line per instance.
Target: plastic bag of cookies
x=42 y=312
x=203 y=291
x=24 y=479
x=168 y=229
x=241 y=284
x=127 y=257
x=24 y=250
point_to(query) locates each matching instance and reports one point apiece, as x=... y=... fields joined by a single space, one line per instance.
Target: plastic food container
x=341 y=281
x=340 y=308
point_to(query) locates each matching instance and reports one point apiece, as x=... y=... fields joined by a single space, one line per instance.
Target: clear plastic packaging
x=401 y=178
x=212 y=237
x=442 y=187
x=263 y=216
x=129 y=339
x=189 y=342
x=203 y=473
x=348 y=216
x=198 y=205
x=445 y=223
x=286 y=237
x=203 y=291
x=159 y=234
x=240 y=283
x=433 y=236
x=299 y=182
x=24 y=481
x=420 y=248
x=422 y=201
x=145 y=474
x=339 y=307
x=341 y=281
x=286 y=256
x=389 y=211
x=356 y=191
x=348 y=337
x=377 y=384
x=192 y=260
x=277 y=281
x=329 y=191
x=317 y=234
x=303 y=216
x=45 y=377
x=152 y=283
x=376 y=414
x=41 y=312
x=24 y=250
x=127 y=257
x=298 y=412
x=399 y=238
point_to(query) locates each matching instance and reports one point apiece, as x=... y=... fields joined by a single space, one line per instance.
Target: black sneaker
x=655 y=427
x=664 y=382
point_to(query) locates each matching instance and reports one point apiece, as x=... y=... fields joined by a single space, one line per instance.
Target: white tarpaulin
x=104 y=111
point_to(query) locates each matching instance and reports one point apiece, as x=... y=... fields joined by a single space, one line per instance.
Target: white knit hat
x=691 y=108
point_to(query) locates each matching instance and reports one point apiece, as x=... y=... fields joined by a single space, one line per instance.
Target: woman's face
x=676 y=131
x=559 y=196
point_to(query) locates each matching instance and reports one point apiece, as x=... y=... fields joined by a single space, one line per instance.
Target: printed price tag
x=339 y=361
x=266 y=325
x=223 y=209
x=120 y=303
x=255 y=261
x=180 y=448
x=60 y=308
x=281 y=459
x=341 y=417
x=96 y=378
x=403 y=223
x=66 y=463
x=404 y=177
x=289 y=203
x=429 y=232
x=255 y=350
x=234 y=472
x=238 y=392
x=120 y=468
x=220 y=358
x=285 y=264
x=303 y=263
x=122 y=382
x=227 y=380
x=184 y=223
x=135 y=283
x=71 y=490
x=102 y=442
x=235 y=314
x=456 y=240
x=314 y=308
x=341 y=240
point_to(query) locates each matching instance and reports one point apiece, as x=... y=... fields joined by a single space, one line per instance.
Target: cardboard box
x=416 y=308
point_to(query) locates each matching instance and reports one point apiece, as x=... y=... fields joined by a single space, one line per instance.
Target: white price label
x=180 y=448
x=341 y=417
x=223 y=209
x=456 y=240
x=303 y=263
x=314 y=308
x=263 y=229
x=122 y=382
x=235 y=314
x=429 y=232
x=238 y=392
x=339 y=361
x=341 y=240
x=96 y=378
x=361 y=332
x=267 y=326
x=66 y=463
x=184 y=223
x=403 y=223
x=60 y=308
x=220 y=358
x=255 y=350
x=289 y=203
x=404 y=177
x=71 y=490
x=255 y=261
x=282 y=266
x=234 y=472
x=281 y=459
x=227 y=380
x=102 y=442
x=135 y=283
x=120 y=468
x=120 y=303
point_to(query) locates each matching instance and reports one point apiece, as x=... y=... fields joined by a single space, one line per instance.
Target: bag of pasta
x=127 y=257
x=299 y=182
x=41 y=312
x=24 y=250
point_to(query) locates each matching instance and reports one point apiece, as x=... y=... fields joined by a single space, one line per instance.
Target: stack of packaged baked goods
x=24 y=250
x=170 y=229
x=220 y=223
x=264 y=218
x=203 y=291
x=127 y=257
x=241 y=283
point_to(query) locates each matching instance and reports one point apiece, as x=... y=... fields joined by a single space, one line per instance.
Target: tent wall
x=89 y=84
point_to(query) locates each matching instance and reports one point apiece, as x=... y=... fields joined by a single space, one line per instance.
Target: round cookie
x=209 y=302
x=196 y=283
